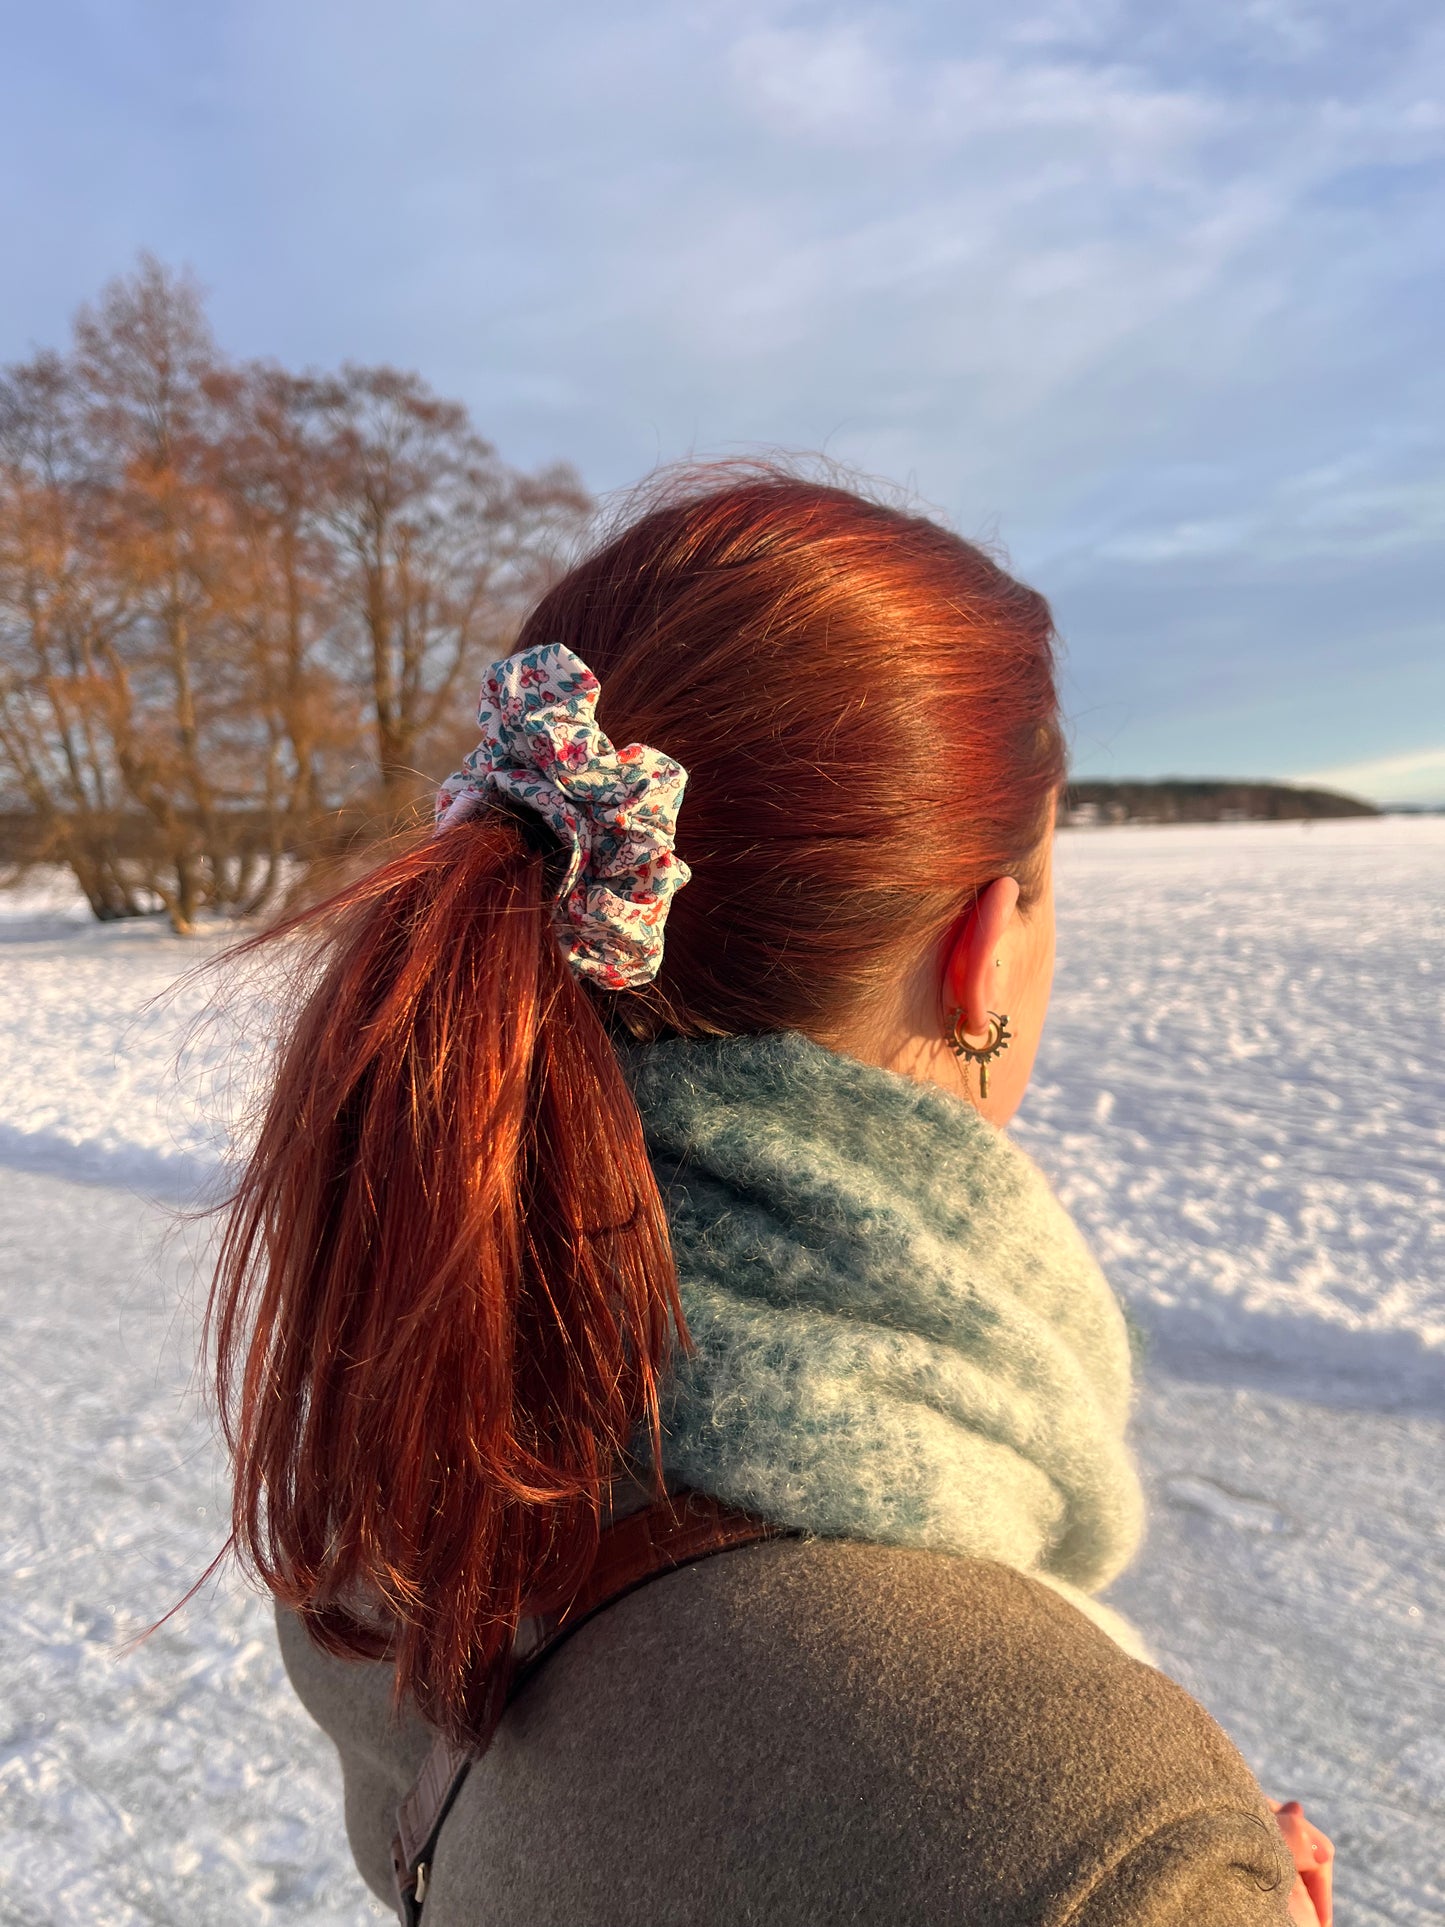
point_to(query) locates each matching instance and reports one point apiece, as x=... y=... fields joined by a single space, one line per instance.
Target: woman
x=546 y=1221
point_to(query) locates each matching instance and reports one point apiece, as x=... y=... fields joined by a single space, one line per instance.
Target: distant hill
x=1177 y=799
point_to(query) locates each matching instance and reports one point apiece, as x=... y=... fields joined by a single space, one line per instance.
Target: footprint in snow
x=1235 y=1509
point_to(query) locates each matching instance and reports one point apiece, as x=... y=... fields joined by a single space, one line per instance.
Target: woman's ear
x=970 y=972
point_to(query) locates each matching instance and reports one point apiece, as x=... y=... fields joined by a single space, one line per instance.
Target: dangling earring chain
x=981 y=1054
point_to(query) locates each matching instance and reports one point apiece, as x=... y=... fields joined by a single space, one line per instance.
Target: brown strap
x=658 y=1539
x=674 y=1532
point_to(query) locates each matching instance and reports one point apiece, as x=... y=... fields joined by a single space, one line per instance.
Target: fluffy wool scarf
x=899 y=1334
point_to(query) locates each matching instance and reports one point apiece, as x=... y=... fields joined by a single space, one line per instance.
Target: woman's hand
x=1311 y=1902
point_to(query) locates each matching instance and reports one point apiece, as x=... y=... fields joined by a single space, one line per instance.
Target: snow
x=179 y=1782
x=1294 y=1579
x=101 y=1077
x=1239 y=1093
x=1241 y=1098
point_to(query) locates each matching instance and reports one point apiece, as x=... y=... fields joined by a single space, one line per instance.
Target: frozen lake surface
x=1239 y=1095
x=1242 y=1100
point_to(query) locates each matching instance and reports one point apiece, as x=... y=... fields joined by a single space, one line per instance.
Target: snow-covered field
x=1241 y=1091
x=1242 y=1099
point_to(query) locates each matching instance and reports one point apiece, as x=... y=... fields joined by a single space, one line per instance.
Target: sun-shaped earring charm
x=981 y=1054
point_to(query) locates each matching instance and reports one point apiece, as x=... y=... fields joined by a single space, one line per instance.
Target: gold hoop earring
x=981 y=1054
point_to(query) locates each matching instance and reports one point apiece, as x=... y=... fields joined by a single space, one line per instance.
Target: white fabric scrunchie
x=614 y=809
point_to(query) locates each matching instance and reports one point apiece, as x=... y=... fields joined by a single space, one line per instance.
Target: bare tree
x=441 y=547
x=64 y=698
x=148 y=369
x=300 y=694
x=239 y=607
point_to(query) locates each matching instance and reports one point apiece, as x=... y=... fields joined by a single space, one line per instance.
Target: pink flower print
x=615 y=808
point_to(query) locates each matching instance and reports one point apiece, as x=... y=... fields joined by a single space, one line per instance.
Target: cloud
x=1153 y=292
x=1333 y=513
x=829 y=82
x=1417 y=776
x=844 y=84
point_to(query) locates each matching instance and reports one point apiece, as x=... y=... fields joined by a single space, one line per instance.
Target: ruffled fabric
x=614 y=810
x=899 y=1334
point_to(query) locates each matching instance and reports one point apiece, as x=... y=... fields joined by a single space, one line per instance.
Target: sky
x=1151 y=296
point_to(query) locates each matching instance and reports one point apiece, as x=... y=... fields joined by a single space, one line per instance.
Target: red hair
x=446 y=1294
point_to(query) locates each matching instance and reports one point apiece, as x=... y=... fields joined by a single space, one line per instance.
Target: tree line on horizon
x=1194 y=799
x=243 y=611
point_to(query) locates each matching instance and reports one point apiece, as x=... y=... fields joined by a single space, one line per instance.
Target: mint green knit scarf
x=900 y=1336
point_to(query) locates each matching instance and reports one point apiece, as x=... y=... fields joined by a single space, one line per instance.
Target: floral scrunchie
x=615 y=809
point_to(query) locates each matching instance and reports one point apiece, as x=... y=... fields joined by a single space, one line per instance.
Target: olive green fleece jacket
x=812 y=1732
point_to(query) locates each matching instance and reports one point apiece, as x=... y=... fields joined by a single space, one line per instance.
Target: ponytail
x=445 y=1293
